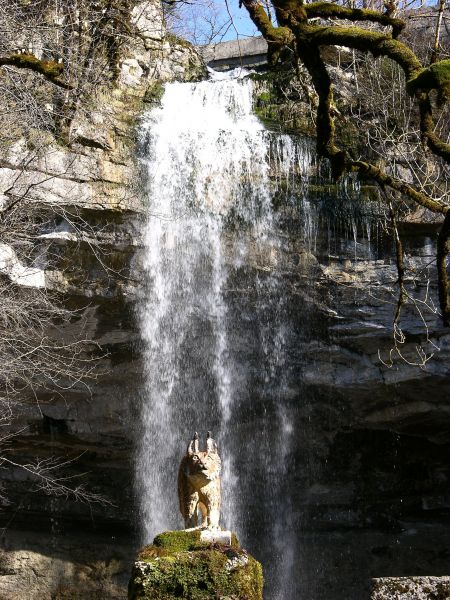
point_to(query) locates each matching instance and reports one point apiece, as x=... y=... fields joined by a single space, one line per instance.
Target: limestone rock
x=96 y=167
x=215 y=537
x=71 y=570
x=411 y=588
x=178 y=564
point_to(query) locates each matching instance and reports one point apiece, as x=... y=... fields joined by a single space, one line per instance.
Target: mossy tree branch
x=378 y=44
x=372 y=172
x=327 y=148
x=419 y=80
x=435 y=77
x=328 y=10
x=293 y=14
x=276 y=37
x=50 y=69
x=443 y=250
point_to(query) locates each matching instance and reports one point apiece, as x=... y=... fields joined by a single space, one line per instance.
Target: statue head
x=204 y=464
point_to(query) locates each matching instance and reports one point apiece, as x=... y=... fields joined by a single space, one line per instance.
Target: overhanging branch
x=276 y=37
x=50 y=69
x=328 y=10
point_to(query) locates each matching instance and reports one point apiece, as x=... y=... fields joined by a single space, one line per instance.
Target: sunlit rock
x=411 y=588
x=180 y=565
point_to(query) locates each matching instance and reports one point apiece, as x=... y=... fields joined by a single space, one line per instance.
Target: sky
x=196 y=20
x=241 y=24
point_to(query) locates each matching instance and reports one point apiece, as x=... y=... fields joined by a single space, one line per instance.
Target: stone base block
x=411 y=588
x=208 y=536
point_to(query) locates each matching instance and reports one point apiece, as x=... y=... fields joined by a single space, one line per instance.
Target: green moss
x=148 y=553
x=250 y=580
x=154 y=93
x=281 y=103
x=376 y=43
x=263 y=98
x=331 y=10
x=178 y=541
x=350 y=137
x=435 y=77
x=177 y=565
x=49 y=68
x=268 y=76
x=174 y=40
x=370 y=193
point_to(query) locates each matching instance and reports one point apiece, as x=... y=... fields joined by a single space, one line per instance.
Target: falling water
x=213 y=171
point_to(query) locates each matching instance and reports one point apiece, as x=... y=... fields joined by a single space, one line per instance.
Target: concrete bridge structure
x=249 y=52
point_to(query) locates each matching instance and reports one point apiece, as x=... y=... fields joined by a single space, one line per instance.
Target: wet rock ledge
x=179 y=565
x=411 y=588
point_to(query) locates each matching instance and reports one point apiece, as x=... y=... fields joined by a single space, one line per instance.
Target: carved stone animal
x=199 y=485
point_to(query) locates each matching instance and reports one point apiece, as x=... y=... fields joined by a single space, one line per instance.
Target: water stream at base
x=213 y=318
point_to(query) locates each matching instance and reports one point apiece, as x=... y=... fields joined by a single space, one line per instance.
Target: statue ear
x=193 y=445
x=211 y=445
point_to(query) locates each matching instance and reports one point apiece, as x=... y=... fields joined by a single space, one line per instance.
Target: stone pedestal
x=208 y=536
x=195 y=564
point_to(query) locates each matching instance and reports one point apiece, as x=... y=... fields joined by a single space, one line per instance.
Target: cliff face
x=97 y=171
x=369 y=463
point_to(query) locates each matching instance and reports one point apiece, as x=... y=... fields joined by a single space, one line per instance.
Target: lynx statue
x=199 y=485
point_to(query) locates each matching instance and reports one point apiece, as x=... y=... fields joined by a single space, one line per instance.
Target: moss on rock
x=154 y=93
x=179 y=565
x=178 y=541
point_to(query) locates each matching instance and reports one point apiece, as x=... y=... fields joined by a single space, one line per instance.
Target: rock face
x=369 y=485
x=178 y=564
x=411 y=588
x=98 y=169
x=34 y=567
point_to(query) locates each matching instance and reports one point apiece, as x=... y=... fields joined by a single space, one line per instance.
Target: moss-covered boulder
x=179 y=565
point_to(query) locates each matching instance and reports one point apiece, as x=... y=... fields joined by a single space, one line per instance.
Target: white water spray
x=212 y=168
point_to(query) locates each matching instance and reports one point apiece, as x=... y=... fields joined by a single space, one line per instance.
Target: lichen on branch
x=50 y=69
x=435 y=77
x=329 y=10
x=277 y=37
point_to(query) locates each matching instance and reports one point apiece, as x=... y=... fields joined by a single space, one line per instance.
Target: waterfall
x=211 y=244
